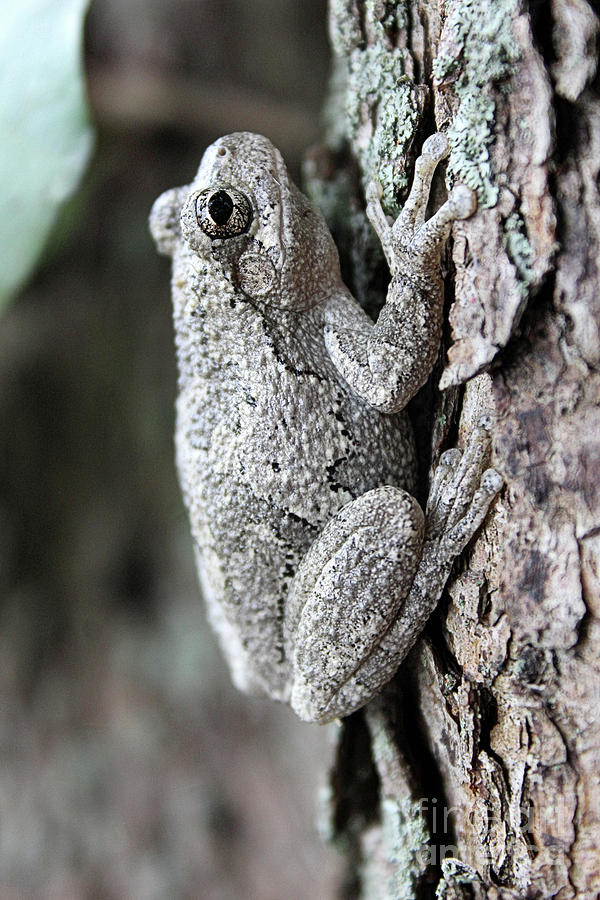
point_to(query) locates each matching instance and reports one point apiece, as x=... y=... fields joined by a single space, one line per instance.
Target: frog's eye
x=223 y=213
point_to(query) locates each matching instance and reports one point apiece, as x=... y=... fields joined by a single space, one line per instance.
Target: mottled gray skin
x=295 y=459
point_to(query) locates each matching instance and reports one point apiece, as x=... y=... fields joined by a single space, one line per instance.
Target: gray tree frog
x=295 y=456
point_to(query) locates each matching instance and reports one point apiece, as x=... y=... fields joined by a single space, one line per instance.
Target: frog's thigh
x=344 y=598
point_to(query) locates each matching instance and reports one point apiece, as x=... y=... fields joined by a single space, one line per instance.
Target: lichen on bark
x=381 y=101
x=478 y=53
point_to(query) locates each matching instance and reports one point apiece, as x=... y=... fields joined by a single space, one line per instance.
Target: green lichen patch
x=376 y=106
x=478 y=52
x=376 y=82
x=405 y=845
x=394 y=116
x=347 y=29
x=386 y=16
x=520 y=252
x=344 y=27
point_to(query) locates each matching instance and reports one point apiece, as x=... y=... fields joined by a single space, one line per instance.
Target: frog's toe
x=456 y=539
x=436 y=145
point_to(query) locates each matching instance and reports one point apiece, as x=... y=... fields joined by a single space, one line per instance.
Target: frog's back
x=270 y=444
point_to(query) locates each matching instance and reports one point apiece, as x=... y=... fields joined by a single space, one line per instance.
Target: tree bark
x=477 y=772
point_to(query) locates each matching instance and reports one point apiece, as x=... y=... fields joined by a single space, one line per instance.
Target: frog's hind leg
x=460 y=496
x=346 y=592
x=369 y=583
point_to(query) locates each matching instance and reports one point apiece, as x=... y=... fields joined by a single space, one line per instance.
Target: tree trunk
x=477 y=772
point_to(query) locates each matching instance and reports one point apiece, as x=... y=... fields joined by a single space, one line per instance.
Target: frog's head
x=244 y=211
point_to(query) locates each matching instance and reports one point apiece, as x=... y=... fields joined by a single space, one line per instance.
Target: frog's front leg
x=387 y=362
x=368 y=584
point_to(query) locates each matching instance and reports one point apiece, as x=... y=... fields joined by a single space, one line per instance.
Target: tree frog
x=294 y=452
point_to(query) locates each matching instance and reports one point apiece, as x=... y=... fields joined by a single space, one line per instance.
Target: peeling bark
x=486 y=749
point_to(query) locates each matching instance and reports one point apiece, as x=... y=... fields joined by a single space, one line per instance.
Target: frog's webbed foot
x=461 y=493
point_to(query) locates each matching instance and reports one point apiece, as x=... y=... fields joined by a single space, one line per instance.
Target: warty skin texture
x=295 y=458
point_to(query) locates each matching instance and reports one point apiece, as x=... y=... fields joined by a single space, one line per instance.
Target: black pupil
x=220 y=207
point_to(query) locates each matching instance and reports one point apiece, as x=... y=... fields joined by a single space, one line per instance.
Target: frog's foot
x=461 y=493
x=411 y=238
x=346 y=593
x=434 y=150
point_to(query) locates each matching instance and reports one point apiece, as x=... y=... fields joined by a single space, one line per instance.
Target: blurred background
x=130 y=768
